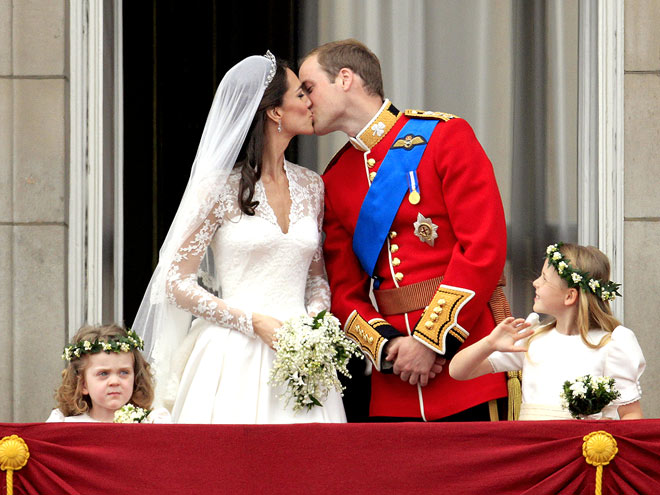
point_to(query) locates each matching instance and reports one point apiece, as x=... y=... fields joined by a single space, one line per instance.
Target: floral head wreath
x=606 y=291
x=116 y=344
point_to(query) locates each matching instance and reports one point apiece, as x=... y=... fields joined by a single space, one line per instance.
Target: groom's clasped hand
x=413 y=361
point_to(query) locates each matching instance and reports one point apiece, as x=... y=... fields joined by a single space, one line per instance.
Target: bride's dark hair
x=249 y=158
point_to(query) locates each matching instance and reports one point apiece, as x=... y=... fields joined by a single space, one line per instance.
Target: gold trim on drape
x=598 y=449
x=14 y=454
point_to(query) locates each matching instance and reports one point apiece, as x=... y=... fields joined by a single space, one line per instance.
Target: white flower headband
x=606 y=291
x=116 y=344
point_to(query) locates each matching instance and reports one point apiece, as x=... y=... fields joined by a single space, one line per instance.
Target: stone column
x=33 y=200
x=642 y=179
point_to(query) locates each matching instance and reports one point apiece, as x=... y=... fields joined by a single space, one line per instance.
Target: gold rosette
x=599 y=448
x=14 y=454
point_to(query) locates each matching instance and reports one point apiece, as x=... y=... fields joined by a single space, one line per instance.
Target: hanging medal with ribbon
x=413 y=188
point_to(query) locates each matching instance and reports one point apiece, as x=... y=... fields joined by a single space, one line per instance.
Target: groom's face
x=325 y=95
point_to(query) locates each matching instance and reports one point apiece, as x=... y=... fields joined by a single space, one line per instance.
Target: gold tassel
x=500 y=309
x=599 y=448
x=514 y=389
x=14 y=454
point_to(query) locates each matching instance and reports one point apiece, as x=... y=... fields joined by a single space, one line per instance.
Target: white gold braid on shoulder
x=273 y=67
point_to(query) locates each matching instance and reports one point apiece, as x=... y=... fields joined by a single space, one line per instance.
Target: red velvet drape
x=472 y=458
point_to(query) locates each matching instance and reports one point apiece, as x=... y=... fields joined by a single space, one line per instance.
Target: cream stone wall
x=642 y=180
x=33 y=200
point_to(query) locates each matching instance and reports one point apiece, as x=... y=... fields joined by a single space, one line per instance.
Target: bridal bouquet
x=131 y=414
x=588 y=395
x=310 y=353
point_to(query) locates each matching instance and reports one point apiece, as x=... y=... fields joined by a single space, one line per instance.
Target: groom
x=412 y=208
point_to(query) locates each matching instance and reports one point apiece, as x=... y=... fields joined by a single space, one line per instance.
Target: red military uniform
x=459 y=196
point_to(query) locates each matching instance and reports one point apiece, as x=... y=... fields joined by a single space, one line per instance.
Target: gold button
x=398 y=276
x=441 y=302
x=394 y=248
x=371 y=339
x=371 y=162
x=396 y=261
x=372 y=176
x=428 y=324
x=393 y=235
x=437 y=310
x=433 y=316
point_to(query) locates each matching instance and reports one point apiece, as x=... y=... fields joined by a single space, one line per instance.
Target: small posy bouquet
x=310 y=353
x=131 y=414
x=588 y=395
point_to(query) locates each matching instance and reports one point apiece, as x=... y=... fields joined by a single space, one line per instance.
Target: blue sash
x=387 y=191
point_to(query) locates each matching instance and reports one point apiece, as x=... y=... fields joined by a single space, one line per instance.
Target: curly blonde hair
x=69 y=396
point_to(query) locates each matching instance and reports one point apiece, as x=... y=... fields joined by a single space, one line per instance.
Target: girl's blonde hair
x=593 y=312
x=69 y=396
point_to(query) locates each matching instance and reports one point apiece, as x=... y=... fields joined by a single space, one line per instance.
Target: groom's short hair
x=354 y=55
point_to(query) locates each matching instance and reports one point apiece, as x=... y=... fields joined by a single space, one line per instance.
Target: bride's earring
x=279 y=125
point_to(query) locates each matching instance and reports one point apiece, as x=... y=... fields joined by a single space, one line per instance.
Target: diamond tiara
x=273 y=67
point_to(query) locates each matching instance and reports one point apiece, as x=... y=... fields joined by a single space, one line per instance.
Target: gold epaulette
x=427 y=114
x=440 y=319
x=364 y=333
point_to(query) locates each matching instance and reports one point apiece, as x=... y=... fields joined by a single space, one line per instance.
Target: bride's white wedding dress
x=259 y=269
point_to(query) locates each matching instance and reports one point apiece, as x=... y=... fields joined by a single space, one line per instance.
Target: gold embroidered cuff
x=365 y=334
x=440 y=320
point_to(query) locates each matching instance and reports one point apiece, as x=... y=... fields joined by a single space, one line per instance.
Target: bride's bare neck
x=272 y=158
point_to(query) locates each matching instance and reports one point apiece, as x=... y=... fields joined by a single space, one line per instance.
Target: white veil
x=162 y=325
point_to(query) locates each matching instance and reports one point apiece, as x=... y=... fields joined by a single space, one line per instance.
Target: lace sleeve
x=183 y=289
x=317 y=290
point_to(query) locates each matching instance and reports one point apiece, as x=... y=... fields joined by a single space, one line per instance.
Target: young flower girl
x=582 y=339
x=106 y=373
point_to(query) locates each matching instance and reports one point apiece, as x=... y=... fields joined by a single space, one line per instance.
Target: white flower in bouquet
x=310 y=353
x=578 y=389
x=587 y=395
x=131 y=414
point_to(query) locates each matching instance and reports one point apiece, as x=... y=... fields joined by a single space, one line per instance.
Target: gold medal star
x=425 y=229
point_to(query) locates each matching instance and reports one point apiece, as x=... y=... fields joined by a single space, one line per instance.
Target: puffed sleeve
x=507 y=361
x=56 y=416
x=160 y=415
x=625 y=363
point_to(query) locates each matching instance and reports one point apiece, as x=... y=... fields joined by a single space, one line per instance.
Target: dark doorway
x=175 y=54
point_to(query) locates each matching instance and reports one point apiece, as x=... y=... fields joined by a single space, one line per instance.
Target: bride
x=242 y=255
